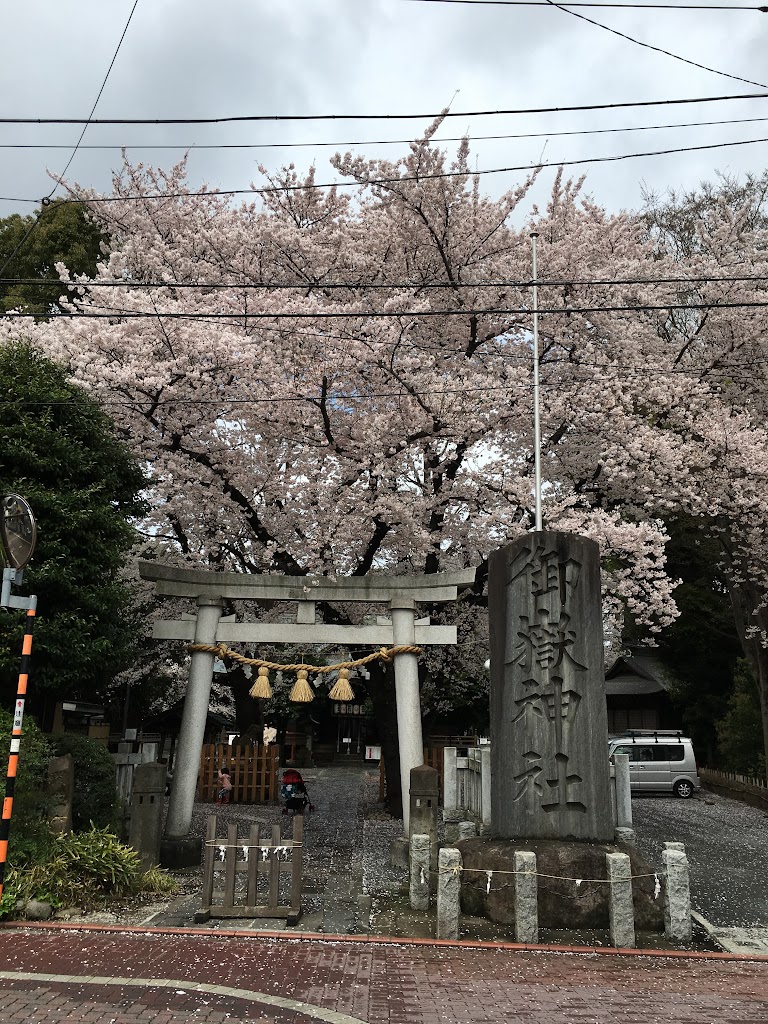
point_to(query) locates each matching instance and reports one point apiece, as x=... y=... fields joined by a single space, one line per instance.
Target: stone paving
x=58 y=976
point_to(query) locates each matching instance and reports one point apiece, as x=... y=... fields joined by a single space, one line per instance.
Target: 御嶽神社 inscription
x=549 y=733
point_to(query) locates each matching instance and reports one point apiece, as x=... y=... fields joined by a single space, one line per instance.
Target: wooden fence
x=251 y=858
x=253 y=770
x=749 y=790
x=433 y=756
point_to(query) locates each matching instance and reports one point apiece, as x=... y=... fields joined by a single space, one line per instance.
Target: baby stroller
x=293 y=793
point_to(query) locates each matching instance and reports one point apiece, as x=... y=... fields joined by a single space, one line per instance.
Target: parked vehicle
x=660 y=760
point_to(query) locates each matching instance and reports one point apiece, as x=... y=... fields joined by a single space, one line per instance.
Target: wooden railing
x=433 y=756
x=746 y=788
x=253 y=770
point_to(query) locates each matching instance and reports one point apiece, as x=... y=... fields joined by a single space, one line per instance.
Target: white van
x=660 y=760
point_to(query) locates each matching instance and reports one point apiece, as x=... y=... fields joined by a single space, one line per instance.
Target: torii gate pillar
x=191 y=736
x=410 y=740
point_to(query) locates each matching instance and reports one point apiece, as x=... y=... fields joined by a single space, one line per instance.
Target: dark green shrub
x=84 y=869
x=740 y=732
x=29 y=832
x=95 y=797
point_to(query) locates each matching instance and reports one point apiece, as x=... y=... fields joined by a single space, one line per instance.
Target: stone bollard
x=526 y=897
x=624 y=831
x=421 y=846
x=677 y=893
x=61 y=786
x=467 y=830
x=145 y=833
x=452 y=816
x=620 y=908
x=448 y=889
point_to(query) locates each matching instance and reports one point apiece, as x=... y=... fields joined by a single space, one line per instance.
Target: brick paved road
x=212 y=978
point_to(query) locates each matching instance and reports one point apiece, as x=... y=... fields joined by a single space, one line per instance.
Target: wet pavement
x=227 y=970
x=61 y=976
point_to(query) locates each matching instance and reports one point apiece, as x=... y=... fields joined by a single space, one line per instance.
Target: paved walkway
x=61 y=976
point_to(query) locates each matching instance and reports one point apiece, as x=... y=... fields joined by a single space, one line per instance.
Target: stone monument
x=549 y=732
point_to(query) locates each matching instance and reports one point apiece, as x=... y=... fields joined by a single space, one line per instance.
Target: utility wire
x=267 y=190
x=380 y=286
x=628 y=6
x=381 y=117
x=376 y=314
x=657 y=49
x=89 y=120
x=382 y=142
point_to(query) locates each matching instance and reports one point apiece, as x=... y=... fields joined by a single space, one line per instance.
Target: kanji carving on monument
x=547 y=692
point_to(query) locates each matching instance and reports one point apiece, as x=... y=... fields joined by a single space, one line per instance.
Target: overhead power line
x=374 y=286
x=656 y=49
x=381 y=142
x=381 y=117
x=269 y=189
x=377 y=314
x=598 y=3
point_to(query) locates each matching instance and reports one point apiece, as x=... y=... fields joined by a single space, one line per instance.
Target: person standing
x=225 y=786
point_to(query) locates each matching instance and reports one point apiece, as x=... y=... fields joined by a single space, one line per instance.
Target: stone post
x=450 y=781
x=620 y=909
x=61 y=786
x=549 y=726
x=485 y=789
x=467 y=830
x=187 y=761
x=448 y=890
x=410 y=741
x=147 y=801
x=421 y=846
x=526 y=897
x=677 y=894
x=624 y=831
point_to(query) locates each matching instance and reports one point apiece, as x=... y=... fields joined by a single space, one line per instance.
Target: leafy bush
x=95 y=797
x=157 y=882
x=84 y=869
x=30 y=835
x=740 y=732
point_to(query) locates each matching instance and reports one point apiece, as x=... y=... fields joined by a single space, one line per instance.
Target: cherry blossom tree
x=719 y=235
x=336 y=381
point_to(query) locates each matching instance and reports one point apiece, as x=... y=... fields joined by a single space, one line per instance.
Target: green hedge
x=30 y=835
x=95 y=796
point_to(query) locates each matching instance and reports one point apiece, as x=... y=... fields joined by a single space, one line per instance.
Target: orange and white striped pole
x=18 y=719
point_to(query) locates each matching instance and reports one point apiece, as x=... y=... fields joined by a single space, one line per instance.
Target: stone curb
x=381 y=940
x=308 y=1009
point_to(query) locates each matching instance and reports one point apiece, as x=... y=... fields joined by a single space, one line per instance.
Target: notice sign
x=373 y=753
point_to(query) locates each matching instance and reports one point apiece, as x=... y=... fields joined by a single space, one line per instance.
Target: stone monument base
x=181 y=852
x=562 y=904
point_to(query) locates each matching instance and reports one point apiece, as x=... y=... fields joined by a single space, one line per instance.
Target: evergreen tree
x=59 y=451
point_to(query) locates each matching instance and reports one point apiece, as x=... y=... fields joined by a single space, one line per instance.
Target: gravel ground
x=727 y=847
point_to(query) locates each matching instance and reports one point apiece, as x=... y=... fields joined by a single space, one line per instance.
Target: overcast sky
x=197 y=59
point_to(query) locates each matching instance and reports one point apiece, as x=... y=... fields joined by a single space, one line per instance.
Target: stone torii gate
x=211 y=589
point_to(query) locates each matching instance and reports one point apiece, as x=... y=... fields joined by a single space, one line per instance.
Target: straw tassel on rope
x=341 y=689
x=261 y=687
x=302 y=691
